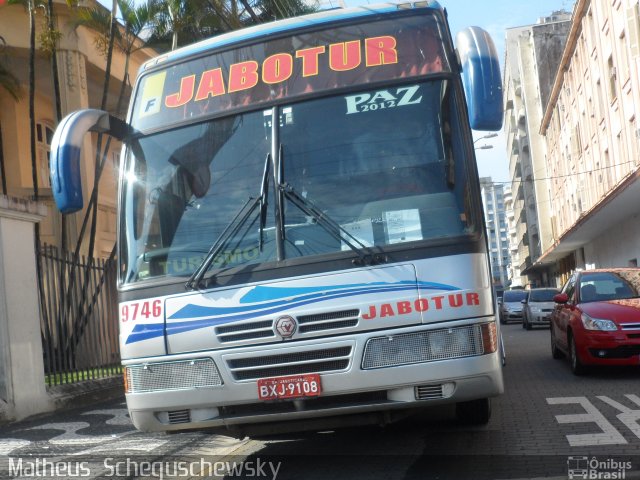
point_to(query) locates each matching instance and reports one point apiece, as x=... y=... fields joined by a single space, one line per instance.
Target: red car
x=596 y=320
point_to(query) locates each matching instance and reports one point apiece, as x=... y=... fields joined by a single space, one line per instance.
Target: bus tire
x=474 y=412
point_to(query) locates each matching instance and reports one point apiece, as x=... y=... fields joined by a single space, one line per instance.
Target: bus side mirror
x=481 y=78
x=66 y=145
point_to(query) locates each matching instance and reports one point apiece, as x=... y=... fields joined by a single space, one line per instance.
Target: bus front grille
x=237 y=332
x=292 y=363
x=328 y=321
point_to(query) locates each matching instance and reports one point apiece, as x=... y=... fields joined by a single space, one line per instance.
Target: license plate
x=295 y=386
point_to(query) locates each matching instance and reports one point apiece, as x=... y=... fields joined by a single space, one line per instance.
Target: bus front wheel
x=474 y=412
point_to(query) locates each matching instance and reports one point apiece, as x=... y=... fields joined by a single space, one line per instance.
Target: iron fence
x=79 y=317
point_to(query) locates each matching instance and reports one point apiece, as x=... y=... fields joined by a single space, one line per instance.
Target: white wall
x=616 y=247
x=22 y=385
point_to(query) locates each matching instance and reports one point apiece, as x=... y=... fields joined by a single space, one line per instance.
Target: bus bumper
x=360 y=392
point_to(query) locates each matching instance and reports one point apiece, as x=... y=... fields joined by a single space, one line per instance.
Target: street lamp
x=488 y=135
x=483 y=147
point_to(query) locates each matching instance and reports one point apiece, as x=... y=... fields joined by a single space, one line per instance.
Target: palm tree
x=277 y=9
x=135 y=19
x=125 y=38
x=32 y=101
x=30 y=6
x=180 y=22
x=48 y=40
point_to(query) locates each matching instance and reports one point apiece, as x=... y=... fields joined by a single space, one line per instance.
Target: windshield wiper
x=239 y=219
x=264 y=191
x=365 y=255
x=236 y=223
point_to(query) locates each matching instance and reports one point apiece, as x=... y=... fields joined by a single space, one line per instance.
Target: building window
x=612 y=78
x=600 y=95
x=633 y=25
x=576 y=142
x=44 y=135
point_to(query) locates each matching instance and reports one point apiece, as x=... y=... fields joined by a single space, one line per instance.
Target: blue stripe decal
x=262 y=293
x=286 y=296
x=216 y=316
x=281 y=296
x=145 y=332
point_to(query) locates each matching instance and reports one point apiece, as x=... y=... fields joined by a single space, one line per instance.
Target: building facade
x=513 y=267
x=533 y=53
x=497 y=231
x=81 y=75
x=591 y=134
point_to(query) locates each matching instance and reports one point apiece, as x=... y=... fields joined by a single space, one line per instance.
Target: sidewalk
x=79 y=394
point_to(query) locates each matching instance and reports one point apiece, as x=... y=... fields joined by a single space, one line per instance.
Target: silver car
x=511 y=307
x=537 y=307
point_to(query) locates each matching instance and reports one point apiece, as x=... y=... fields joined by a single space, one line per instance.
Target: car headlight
x=535 y=309
x=597 y=323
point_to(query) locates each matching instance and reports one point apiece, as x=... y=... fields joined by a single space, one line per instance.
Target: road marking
x=609 y=434
x=628 y=416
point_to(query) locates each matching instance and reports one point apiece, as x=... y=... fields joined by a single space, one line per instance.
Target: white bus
x=301 y=238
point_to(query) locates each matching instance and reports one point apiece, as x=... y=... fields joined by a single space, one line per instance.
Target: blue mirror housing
x=66 y=147
x=481 y=78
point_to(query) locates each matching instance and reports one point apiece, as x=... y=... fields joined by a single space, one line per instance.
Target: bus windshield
x=381 y=165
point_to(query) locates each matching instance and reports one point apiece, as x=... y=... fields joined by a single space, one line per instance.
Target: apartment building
x=514 y=278
x=493 y=200
x=591 y=133
x=533 y=53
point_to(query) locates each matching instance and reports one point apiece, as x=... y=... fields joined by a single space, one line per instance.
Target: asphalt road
x=548 y=424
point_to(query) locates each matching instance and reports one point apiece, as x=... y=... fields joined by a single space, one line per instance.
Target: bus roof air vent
x=422 y=4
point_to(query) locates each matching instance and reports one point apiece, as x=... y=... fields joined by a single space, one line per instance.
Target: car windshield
x=545 y=295
x=514 y=296
x=604 y=286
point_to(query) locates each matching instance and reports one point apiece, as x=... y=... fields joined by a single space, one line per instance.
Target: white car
x=537 y=307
